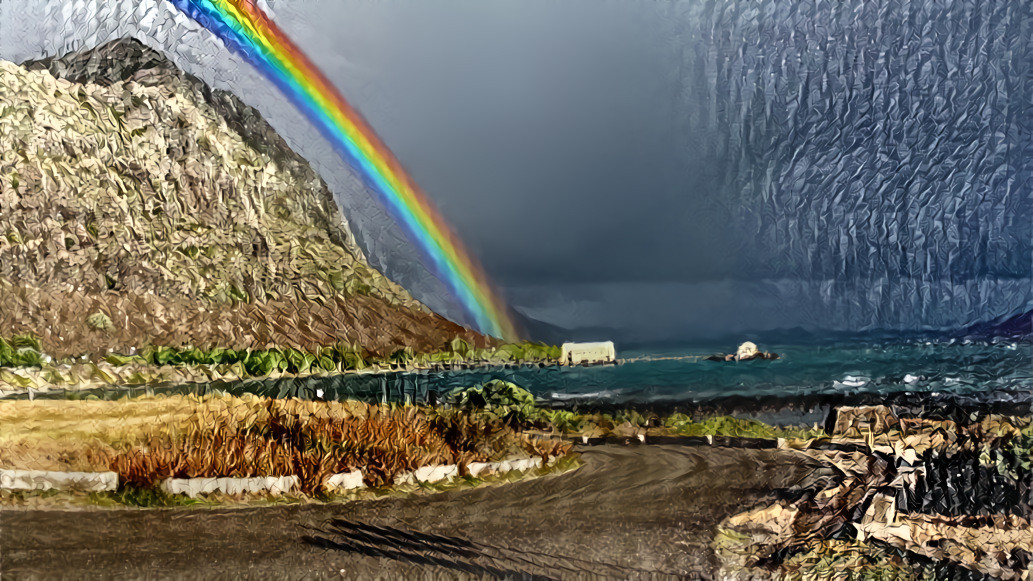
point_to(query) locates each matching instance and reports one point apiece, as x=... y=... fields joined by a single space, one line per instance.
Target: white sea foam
x=851 y=381
x=606 y=394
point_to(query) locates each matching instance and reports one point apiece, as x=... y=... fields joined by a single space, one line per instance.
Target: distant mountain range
x=1016 y=327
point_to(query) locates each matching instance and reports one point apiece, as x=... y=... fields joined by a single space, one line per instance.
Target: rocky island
x=746 y=352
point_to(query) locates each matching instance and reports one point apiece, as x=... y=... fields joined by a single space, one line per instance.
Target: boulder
x=746 y=352
x=860 y=420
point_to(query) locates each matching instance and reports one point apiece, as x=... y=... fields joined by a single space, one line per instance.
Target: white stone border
x=54 y=480
x=344 y=481
x=476 y=469
x=353 y=480
x=194 y=487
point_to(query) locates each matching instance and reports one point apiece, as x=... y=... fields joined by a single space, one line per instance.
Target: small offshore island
x=154 y=231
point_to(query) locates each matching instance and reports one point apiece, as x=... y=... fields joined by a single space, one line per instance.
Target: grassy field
x=148 y=439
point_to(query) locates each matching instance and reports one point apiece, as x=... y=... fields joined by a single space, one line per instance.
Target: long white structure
x=51 y=480
x=588 y=353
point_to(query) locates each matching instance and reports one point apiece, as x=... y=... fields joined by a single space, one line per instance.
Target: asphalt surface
x=629 y=512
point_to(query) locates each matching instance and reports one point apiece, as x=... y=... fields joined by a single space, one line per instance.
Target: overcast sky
x=668 y=169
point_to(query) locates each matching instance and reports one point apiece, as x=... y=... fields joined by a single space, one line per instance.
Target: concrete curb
x=341 y=481
x=476 y=469
x=345 y=481
x=194 y=487
x=429 y=474
x=53 y=480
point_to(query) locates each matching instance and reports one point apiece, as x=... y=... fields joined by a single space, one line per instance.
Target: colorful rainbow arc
x=247 y=30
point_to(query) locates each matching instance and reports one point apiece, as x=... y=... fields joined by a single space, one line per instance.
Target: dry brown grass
x=147 y=440
x=56 y=454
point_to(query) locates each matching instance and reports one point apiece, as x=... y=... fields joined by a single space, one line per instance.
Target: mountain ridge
x=174 y=215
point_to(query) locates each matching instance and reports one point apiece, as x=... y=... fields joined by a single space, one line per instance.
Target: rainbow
x=244 y=28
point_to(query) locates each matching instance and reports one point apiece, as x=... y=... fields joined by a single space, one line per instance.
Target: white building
x=577 y=353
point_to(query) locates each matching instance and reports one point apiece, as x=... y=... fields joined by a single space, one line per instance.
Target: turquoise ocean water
x=679 y=374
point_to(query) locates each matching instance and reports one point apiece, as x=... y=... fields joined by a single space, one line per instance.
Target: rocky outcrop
x=858 y=421
x=953 y=493
x=746 y=352
x=129 y=189
x=1000 y=546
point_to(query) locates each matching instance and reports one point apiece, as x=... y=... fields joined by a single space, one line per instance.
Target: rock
x=747 y=538
x=999 y=549
x=746 y=352
x=858 y=421
x=194 y=487
x=429 y=474
x=345 y=481
x=882 y=510
x=51 y=480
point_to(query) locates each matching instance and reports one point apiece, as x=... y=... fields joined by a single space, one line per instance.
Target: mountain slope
x=130 y=189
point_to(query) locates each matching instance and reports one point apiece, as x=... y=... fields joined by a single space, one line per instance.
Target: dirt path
x=629 y=512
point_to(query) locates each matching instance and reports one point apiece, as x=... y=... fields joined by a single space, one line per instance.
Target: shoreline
x=213 y=377
x=26 y=370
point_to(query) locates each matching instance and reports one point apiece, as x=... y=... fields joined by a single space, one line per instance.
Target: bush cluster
x=25 y=351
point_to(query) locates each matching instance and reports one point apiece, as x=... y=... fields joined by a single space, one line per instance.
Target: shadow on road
x=456 y=553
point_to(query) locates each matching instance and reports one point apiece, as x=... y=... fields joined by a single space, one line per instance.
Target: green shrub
x=325 y=360
x=299 y=361
x=265 y=362
x=737 y=427
x=562 y=420
x=461 y=347
x=26 y=341
x=99 y=321
x=21 y=351
x=120 y=360
x=403 y=356
x=350 y=357
x=506 y=400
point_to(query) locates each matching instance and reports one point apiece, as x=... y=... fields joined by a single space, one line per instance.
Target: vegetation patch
x=736 y=427
x=149 y=439
x=514 y=405
x=20 y=351
x=850 y=560
x=99 y=321
x=27 y=366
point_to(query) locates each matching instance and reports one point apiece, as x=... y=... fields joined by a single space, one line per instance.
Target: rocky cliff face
x=129 y=188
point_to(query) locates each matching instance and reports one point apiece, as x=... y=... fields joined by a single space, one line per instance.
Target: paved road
x=639 y=511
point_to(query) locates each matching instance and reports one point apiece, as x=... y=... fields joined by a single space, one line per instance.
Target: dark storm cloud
x=685 y=167
x=547 y=136
x=851 y=166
